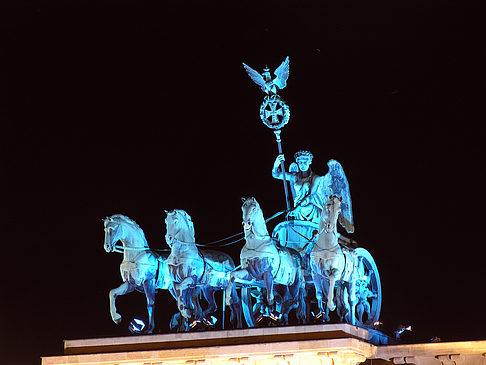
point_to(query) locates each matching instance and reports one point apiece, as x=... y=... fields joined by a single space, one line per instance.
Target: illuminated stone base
x=331 y=344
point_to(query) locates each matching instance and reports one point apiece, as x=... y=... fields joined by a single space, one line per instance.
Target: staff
x=282 y=167
x=274 y=113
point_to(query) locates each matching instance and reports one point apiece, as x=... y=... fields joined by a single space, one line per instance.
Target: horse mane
x=187 y=219
x=120 y=218
x=251 y=201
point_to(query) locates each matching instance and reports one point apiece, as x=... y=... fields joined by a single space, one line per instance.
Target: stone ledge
x=258 y=353
x=218 y=338
x=432 y=349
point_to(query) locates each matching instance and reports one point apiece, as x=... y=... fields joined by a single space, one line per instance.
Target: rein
x=309 y=240
x=118 y=247
x=236 y=235
x=121 y=248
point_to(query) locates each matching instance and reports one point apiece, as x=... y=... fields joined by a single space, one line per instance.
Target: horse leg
x=282 y=301
x=290 y=299
x=230 y=289
x=359 y=311
x=149 y=288
x=236 y=308
x=231 y=296
x=183 y=293
x=297 y=295
x=208 y=293
x=341 y=306
x=268 y=279
x=187 y=283
x=351 y=286
x=330 y=298
x=319 y=287
x=121 y=290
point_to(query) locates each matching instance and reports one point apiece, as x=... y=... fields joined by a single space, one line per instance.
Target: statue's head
x=303 y=159
x=266 y=74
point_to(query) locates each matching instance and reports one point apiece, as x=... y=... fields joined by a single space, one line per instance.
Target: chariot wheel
x=252 y=303
x=368 y=290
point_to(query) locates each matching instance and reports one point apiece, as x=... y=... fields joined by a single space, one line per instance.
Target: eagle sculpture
x=265 y=81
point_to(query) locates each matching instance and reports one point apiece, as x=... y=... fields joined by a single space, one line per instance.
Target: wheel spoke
x=368 y=288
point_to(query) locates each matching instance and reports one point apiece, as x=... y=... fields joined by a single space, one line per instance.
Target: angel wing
x=336 y=183
x=255 y=76
x=282 y=73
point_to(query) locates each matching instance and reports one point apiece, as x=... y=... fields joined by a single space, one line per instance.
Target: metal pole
x=282 y=167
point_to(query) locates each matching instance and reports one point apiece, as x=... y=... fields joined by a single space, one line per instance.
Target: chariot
x=301 y=236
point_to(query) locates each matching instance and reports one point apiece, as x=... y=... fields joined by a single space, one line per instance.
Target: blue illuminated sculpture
x=304 y=186
x=278 y=272
x=264 y=80
x=141 y=268
x=274 y=112
x=190 y=269
x=303 y=230
x=329 y=261
x=310 y=190
x=263 y=264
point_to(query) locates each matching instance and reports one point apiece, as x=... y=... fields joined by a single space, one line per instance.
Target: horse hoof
x=209 y=322
x=117 y=318
x=275 y=316
x=321 y=317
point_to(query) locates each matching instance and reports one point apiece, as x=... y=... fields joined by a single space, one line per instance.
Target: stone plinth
x=330 y=344
x=442 y=353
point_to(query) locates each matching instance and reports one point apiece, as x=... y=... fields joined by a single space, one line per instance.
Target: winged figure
x=336 y=183
x=265 y=81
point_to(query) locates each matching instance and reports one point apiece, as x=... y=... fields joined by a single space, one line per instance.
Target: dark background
x=133 y=107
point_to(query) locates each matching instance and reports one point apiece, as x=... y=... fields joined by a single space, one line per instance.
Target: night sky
x=134 y=107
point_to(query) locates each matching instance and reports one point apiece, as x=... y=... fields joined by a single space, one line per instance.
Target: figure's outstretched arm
x=277 y=172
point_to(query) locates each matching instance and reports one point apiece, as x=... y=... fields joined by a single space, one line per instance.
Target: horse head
x=179 y=227
x=121 y=228
x=113 y=233
x=331 y=211
x=253 y=220
x=249 y=208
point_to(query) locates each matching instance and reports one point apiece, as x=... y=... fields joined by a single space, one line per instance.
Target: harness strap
x=157 y=273
x=122 y=248
x=279 y=263
x=204 y=267
x=300 y=234
x=345 y=264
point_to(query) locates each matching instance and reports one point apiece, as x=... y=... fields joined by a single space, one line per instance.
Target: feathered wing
x=336 y=183
x=255 y=76
x=282 y=73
